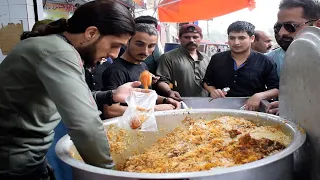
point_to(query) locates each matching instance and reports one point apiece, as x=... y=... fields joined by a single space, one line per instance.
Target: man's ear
x=91 y=33
x=128 y=43
x=252 y=38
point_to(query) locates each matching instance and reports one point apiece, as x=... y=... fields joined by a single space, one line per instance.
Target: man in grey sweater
x=42 y=81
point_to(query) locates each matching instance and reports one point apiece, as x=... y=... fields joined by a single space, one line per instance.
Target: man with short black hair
x=129 y=66
x=246 y=72
x=151 y=60
x=293 y=16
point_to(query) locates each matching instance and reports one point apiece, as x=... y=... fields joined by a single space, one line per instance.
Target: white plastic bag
x=140 y=112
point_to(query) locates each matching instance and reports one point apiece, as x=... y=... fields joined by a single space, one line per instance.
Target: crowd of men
x=250 y=68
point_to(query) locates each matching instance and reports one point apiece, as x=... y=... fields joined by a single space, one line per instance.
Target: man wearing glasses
x=293 y=16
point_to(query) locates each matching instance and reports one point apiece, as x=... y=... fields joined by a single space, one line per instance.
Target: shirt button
x=234 y=81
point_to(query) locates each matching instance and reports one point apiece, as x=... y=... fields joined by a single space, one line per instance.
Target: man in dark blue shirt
x=247 y=73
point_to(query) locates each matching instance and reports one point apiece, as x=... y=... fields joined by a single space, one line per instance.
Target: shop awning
x=193 y=10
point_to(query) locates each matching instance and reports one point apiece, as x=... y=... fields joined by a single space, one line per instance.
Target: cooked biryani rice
x=200 y=145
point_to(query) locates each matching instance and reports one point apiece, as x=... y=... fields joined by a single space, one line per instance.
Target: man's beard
x=88 y=55
x=136 y=58
x=284 y=42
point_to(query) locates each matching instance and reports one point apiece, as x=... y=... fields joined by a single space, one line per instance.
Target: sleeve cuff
x=104 y=97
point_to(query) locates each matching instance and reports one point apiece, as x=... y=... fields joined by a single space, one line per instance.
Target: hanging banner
x=57 y=11
x=192 y=10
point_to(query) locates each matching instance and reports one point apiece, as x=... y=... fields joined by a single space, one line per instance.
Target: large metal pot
x=299 y=97
x=220 y=103
x=276 y=167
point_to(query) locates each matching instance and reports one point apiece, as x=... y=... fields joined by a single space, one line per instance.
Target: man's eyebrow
x=237 y=36
x=118 y=43
x=139 y=41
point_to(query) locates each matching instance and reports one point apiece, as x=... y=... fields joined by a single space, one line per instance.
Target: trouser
x=62 y=171
x=42 y=172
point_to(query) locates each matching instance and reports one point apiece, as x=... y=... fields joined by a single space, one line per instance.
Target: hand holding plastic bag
x=140 y=112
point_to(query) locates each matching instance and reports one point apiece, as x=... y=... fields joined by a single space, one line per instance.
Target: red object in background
x=193 y=10
x=139 y=2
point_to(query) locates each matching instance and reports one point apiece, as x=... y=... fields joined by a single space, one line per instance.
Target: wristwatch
x=165 y=100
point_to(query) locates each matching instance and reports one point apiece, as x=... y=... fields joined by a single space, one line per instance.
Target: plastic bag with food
x=140 y=112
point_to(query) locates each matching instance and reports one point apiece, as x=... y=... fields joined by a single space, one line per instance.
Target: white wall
x=17 y=11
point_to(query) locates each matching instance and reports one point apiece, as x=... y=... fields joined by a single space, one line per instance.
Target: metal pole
x=175 y=1
x=208 y=34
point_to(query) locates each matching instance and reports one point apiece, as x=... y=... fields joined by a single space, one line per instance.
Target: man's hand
x=174 y=95
x=155 y=79
x=253 y=102
x=173 y=102
x=125 y=90
x=218 y=93
x=273 y=108
x=163 y=107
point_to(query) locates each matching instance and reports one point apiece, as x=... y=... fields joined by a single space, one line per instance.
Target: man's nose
x=114 y=54
x=282 y=32
x=146 y=51
x=236 y=41
x=192 y=39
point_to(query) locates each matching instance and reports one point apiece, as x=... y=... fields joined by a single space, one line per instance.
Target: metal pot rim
x=299 y=137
